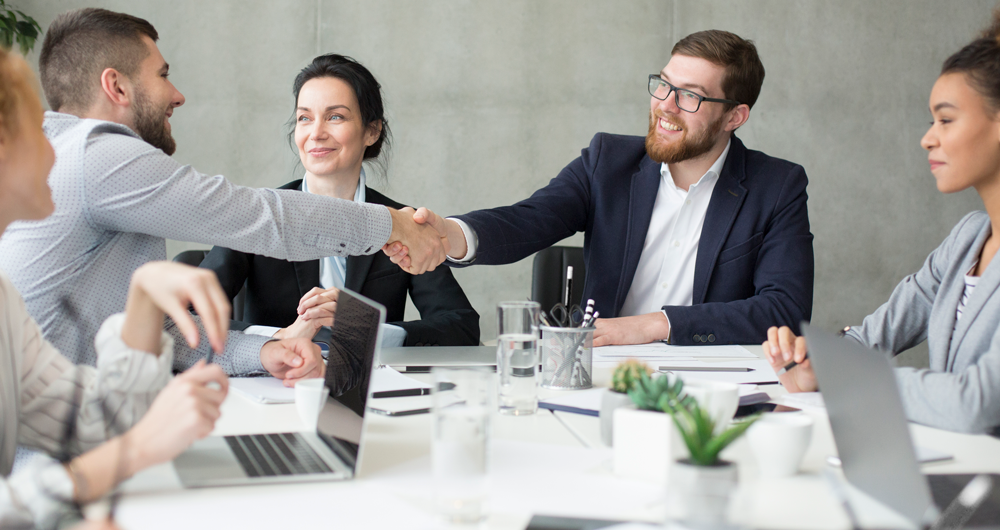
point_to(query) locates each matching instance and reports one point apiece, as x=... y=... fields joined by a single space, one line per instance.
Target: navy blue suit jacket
x=754 y=267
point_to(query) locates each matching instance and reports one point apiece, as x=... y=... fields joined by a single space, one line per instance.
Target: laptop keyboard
x=271 y=455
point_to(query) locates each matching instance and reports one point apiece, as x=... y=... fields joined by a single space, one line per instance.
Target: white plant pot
x=700 y=496
x=610 y=402
x=646 y=444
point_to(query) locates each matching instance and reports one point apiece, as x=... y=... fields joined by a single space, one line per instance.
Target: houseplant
x=625 y=376
x=17 y=27
x=701 y=484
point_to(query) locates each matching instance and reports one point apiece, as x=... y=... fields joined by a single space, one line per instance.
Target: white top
x=970 y=285
x=333 y=269
x=37 y=388
x=665 y=274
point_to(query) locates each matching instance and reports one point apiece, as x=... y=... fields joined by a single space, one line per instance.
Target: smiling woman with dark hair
x=339 y=123
x=953 y=301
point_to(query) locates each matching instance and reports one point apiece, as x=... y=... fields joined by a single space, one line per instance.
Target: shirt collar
x=710 y=175
x=359 y=194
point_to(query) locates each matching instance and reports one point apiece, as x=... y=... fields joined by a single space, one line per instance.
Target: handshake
x=421 y=240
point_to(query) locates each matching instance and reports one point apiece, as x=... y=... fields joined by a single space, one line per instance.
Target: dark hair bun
x=980 y=61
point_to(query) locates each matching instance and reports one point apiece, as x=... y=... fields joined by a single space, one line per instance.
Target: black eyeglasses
x=685 y=99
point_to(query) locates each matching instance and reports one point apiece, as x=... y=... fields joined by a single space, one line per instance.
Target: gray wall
x=488 y=100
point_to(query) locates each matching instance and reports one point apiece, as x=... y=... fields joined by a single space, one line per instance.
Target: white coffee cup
x=310 y=394
x=779 y=440
x=718 y=398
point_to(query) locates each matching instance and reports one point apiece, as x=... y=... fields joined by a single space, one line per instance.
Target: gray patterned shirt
x=117 y=201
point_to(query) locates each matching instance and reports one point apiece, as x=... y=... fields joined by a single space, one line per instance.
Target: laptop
x=333 y=451
x=869 y=425
x=419 y=360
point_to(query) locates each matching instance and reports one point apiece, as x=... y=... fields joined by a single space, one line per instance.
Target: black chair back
x=548 y=276
x=194 y=258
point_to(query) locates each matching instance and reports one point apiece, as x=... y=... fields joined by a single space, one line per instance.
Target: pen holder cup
x=567 y=358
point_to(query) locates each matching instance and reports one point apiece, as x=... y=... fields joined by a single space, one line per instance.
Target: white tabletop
x=547 y=463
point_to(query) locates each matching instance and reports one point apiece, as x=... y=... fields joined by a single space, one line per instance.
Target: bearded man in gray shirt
x=119 y=195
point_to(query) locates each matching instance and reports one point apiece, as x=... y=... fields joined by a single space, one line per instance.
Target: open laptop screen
x=354 y=342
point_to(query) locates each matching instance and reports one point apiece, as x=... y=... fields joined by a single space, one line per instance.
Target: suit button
x=704 y=338
x=697 y=338
x=711 y=337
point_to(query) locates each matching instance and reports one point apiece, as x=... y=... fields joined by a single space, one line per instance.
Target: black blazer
x=274 y=287
x=754 y=267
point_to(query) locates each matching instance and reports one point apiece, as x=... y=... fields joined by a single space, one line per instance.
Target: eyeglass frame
x=675 y=90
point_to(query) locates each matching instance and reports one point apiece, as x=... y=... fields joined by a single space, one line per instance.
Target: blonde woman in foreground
x=131 y=386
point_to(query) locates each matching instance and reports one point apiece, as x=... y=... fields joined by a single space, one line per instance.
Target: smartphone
x=756 y=408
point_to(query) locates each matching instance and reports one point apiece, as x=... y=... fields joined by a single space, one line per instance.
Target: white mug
x=719 y=399
x=310 y=395
x=779 y=440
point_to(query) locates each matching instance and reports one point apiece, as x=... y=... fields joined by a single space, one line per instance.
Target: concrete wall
x=489 y=99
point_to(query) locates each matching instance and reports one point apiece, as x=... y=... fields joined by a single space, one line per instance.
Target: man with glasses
x=690 y=237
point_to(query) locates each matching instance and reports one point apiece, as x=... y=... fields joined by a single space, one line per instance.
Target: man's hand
x=316 y=309
x=640 y=329
x=292 y=360
x=783 y=347
x=184 y=411
x=414 y=247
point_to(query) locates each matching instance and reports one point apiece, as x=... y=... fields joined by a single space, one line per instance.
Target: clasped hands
x=421 y=240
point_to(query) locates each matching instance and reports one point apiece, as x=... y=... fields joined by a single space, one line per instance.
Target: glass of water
x=463 y=403
x=517 y=357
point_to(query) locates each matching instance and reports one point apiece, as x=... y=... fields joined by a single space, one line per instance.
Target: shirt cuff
x=122 y=368
x=39 y=492
x=471 y=242
x=264 y=331
x=670 y=329
x=393 y=336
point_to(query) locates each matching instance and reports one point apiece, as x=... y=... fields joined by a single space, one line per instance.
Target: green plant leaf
x=27 y=30
x=728 y=436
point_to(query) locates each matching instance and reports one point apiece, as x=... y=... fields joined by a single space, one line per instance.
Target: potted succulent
x=701 y=484
x=646 y=442
x=625 y=376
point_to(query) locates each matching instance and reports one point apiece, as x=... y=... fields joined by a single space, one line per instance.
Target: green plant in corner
x=17 y=27
x=697 y=428
x=627 y=373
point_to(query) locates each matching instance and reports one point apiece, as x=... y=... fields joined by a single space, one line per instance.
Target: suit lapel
x=727 y=198
x=988 y=284
x=357 y=271
x=306 y=275
x=645 y=184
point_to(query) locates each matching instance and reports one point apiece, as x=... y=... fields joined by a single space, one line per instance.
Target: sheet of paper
x=802 y=400
x=659 y=350
x=270 y=390
x=584 y=399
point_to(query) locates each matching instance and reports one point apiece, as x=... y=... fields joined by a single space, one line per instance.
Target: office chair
x=194 y=258
x=548 y=275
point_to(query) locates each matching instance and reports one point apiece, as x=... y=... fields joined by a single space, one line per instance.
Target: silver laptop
x=409 y=359
x=333 y=451
x=869 y=425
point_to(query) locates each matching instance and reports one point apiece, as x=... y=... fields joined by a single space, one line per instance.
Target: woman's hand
x=316 y=309
x=184 y=411
x=162 y=287
x=781 y=348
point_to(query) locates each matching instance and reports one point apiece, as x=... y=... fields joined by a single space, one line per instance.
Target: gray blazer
x=961 y=390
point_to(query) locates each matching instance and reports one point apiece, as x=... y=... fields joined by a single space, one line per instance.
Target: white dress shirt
x=665 y=274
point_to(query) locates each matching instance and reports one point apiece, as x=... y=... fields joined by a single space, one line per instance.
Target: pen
x=791 y=365
x=705 y=369
x=569 y=286
x=402 y=393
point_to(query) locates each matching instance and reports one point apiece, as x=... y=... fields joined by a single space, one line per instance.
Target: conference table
x=548 y=463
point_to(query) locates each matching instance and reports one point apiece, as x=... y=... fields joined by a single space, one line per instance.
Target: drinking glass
x=517 y=357
x=460 y=442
